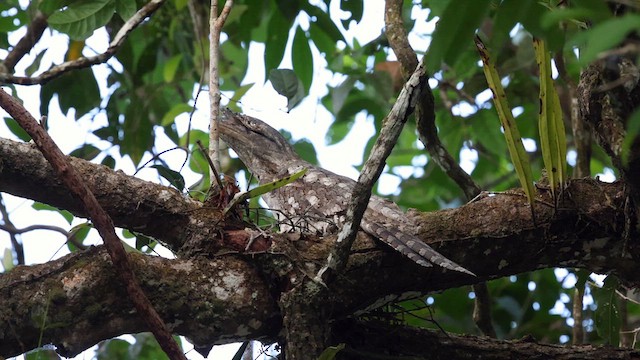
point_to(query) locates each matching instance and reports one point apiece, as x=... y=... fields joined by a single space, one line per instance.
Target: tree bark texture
x=74 y=301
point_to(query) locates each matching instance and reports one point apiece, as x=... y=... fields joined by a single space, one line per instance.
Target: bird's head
x=261 y=148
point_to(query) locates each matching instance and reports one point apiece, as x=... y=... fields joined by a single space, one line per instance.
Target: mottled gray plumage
x=318 y=201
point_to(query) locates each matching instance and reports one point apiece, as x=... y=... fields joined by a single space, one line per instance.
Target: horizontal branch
x=78 y=300
x=492 y=236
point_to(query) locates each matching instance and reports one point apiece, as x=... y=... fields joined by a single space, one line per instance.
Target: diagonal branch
x=103 y=223
x=393 y=124
x=215 y=27
x=35 y=30
x=425 y=111
x=428 y=133
x=84 y=62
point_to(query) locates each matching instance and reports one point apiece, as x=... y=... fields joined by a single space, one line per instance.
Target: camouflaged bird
x=318 y=201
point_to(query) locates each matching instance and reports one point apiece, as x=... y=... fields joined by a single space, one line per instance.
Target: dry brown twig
x=83 y=62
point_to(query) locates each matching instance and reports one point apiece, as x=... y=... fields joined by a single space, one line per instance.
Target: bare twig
x=84 y=62
x=393 y=124
x=428 y=134
x=103 y=223
x=581 y=133
x=215 y=27
x=34 y=32
x=17 y=246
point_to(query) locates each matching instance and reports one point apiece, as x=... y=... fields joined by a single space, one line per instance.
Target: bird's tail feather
x=412 y=247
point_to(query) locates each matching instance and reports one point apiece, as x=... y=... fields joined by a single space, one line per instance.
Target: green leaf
x=322 y=21
x=287 y=84
x=553 y=141
x=16 y=129
x=174 y=177
x=113 y=349
x=176 y=110
x=143 y=240
x=607 y=315
x=125 y=8
x=331 y=352
x=340 y=93
x=79 y=234
x=263 y=189
x=65 y=214
x=302 y=59
x=277 y=35
x=237 y=96
x=605 y=36
x=171 y=67
x=79 y=19
x=455 y=31
x=519 y=156
x=35 y=65
x=77 y=89
x=355 y=7
x=86 y=151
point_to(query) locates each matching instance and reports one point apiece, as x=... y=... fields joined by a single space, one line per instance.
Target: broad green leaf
x=277 y=36
x=331 y=352
x=143 y=240
x=78 y=233
x=519 y=156
x=176 y=110
x=174 y=177
x=16 y=129
x=171 y=67
x=323 y=22
x=113 y=349
x=454 y=32
x=302 y=59
x=125 y=8
x=237 y=96
x=263 y=189
x=65 y=214
x=340 y=94
x=553 y=143
x=605 y=36
x=35 y=65
x=79 y=19
x=76 y=89
x=355 y=7
x=287 y=84
x=86 y=151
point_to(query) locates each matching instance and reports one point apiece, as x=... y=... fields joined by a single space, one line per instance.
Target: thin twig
x=214 y=172
x=35 y=29
x=393 y=124
x=428 y=134
x=215 y=27
x=101 y=220
x=17 y=246
x=84 y=62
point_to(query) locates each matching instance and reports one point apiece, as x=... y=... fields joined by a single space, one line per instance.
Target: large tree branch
x=78 y=300
x=492 y=234
x=499 y=223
